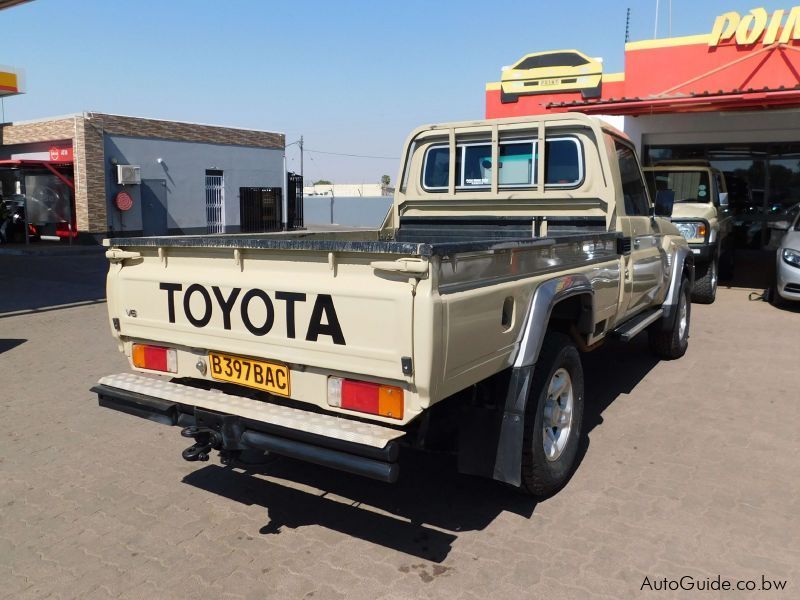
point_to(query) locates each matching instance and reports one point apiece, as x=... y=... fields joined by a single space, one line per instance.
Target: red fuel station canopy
x=747 y=62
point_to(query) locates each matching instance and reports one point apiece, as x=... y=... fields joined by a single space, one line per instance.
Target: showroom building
x=91 y=175
x=731 y=96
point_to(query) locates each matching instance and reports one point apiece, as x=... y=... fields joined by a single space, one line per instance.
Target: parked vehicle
x=549 y=72
x=13 y=222
x=459 y=323
x=702 y=215
x=776 y=223
x=787 y=280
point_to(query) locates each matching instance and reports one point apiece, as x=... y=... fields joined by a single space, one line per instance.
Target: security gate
x=215 y=202
x=260 y=209
x=295 y=197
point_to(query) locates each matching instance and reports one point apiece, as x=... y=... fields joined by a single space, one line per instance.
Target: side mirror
x=665 y=200
x=723 y=199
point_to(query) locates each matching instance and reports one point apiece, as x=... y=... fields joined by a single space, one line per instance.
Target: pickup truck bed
x=439 y=238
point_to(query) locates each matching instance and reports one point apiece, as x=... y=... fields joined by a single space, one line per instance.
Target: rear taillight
x=362 y=396
x=155 y=358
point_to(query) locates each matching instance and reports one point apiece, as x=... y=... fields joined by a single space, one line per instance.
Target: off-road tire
x=542 y=477
x=668 y=343
x=705 y=283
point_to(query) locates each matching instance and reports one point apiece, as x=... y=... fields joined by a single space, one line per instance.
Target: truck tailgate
x=309 y=308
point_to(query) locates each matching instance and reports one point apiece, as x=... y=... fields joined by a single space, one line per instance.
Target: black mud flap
x=490 y=441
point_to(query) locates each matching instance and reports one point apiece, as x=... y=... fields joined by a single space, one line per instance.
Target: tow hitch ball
x=205 y=440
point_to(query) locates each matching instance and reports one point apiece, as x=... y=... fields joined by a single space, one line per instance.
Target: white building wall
x=346 y=189
x=714 y=128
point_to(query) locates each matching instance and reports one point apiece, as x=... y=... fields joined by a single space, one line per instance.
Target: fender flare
x=546 y=296
x=508 y=458
x=682 y=258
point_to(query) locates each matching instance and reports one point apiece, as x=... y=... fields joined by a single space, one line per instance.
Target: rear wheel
x=705 y=285
x=553 y=417
x=671 y=342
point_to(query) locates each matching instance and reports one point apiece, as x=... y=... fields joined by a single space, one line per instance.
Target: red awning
x=33 y=163
x=702 y=102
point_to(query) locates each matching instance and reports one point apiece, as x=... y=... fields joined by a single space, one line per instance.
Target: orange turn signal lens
x=390 y=401
x=701 y=230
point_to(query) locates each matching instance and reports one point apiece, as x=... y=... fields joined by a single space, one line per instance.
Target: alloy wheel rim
x=557 y=417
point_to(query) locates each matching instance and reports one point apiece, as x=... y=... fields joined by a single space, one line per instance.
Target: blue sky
x=350 y=76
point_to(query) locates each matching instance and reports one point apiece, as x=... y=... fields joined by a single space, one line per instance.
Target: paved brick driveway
x=690 y=468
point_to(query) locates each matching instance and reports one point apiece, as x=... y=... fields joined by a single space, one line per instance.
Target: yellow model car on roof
x=549 y=72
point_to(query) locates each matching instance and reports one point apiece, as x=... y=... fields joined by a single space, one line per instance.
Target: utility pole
x=301 y=157
x=628 y=26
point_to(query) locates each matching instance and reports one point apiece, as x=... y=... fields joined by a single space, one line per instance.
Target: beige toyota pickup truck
x=459 y=324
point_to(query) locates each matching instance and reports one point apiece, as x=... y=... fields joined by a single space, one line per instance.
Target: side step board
x=630 y=329
x=365 y=449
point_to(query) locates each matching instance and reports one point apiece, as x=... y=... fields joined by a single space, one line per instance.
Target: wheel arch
x=564 y=297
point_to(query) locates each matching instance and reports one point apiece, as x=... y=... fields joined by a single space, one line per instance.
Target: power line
x=353 y=155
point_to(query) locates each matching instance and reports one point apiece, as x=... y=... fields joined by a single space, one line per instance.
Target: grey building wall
x=353 y=211
x=183 y=169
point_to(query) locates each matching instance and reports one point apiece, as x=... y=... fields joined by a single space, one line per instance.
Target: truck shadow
x=34 y=284
x=7 y=344
x=610 y=371
x=424 y=512
x=420 y=515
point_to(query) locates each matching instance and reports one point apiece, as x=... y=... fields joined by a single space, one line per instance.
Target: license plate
x=250 y=372
x=549 y=81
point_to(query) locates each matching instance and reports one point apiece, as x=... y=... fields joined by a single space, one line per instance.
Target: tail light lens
x=365 y=397
x=155 y=358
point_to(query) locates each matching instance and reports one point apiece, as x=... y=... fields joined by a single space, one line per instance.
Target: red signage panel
x=61 y=154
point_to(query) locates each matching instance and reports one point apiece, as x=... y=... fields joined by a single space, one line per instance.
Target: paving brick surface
x=690 y=468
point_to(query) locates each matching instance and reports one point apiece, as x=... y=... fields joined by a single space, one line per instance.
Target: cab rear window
x=518 y=164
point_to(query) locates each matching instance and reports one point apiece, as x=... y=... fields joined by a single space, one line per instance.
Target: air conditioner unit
x=128 y=174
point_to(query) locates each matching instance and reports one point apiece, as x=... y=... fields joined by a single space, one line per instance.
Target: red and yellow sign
x=756 y=26
x=9 y=82
x=747 y=61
